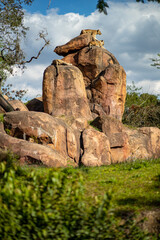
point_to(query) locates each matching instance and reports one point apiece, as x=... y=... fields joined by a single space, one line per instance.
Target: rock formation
x=65 y=94
x=43 y=129
x=79 y=120
x=96 y=148
x=104 y=78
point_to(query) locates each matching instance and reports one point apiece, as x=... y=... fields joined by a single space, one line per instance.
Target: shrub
x=52 y=206
x=141 y=109
x=148 y=116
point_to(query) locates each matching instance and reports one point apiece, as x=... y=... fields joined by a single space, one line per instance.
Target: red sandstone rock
x=17 y=104
x=73 y=45
x=96 y=148
x=131 y=144
x=44 y=129
x=32 y=152
x=110 y=125
x=104 y=78
x=65 y=94
x=144 y=142
x=91 y=61
x=109 y=91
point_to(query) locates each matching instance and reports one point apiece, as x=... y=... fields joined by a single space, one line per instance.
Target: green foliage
x=12 y=30
x=143 y=1
x=1 y=117
x=8 y=131
x=52 y=206
x=102 y=6
x=148 y=116
x=141 y=109
x=156 y=61
x=136 y=97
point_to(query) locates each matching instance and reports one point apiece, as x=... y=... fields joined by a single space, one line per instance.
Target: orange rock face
x=96 y=148
x=31 y=152
x=109 y=91
x=17 y=104
x=65 y=94
x=43 y=129
x=73 y=45
x=91 y=61
x=105 y=79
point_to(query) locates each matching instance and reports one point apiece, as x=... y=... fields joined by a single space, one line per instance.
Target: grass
x=112 y=197
x=134 y=186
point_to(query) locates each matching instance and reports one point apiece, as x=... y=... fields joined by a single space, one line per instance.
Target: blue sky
x=131 y=31
x=84 y=7
x=65 y=6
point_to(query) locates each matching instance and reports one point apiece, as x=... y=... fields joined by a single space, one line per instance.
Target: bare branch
x=39 y=53
x=49 y=4
x=41 y=35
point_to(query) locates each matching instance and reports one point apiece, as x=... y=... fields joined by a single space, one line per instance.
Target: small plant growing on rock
x=93 y=124
x=1 y=118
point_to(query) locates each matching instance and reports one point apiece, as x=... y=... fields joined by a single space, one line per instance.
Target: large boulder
x=109 y=90
x=31 y=153
x=73 y=45
x=43 y=129
x=91 y=61
x=18 y=105
x=130 y=144
x=105 y=79
x=144 y=143
x=36 y=104
x=118 y=138
x=96 y=148
x=65 y=94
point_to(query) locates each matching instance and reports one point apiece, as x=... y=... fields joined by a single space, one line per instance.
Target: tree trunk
x=5 y=104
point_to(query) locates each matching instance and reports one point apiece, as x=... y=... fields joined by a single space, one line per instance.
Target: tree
x=102 y=5
x=12 y=30
x=156 y=61
x=141 y=109
x=143 y=1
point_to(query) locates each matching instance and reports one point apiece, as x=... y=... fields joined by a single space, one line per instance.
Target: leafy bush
x=137 y=98
x=52 y=206
x=141 y=109
x=148 y=116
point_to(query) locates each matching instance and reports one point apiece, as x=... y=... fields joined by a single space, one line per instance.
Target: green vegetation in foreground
x=42 y=203
x=1 y=117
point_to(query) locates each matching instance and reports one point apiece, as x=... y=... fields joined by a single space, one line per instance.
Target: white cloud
x=130 y=31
